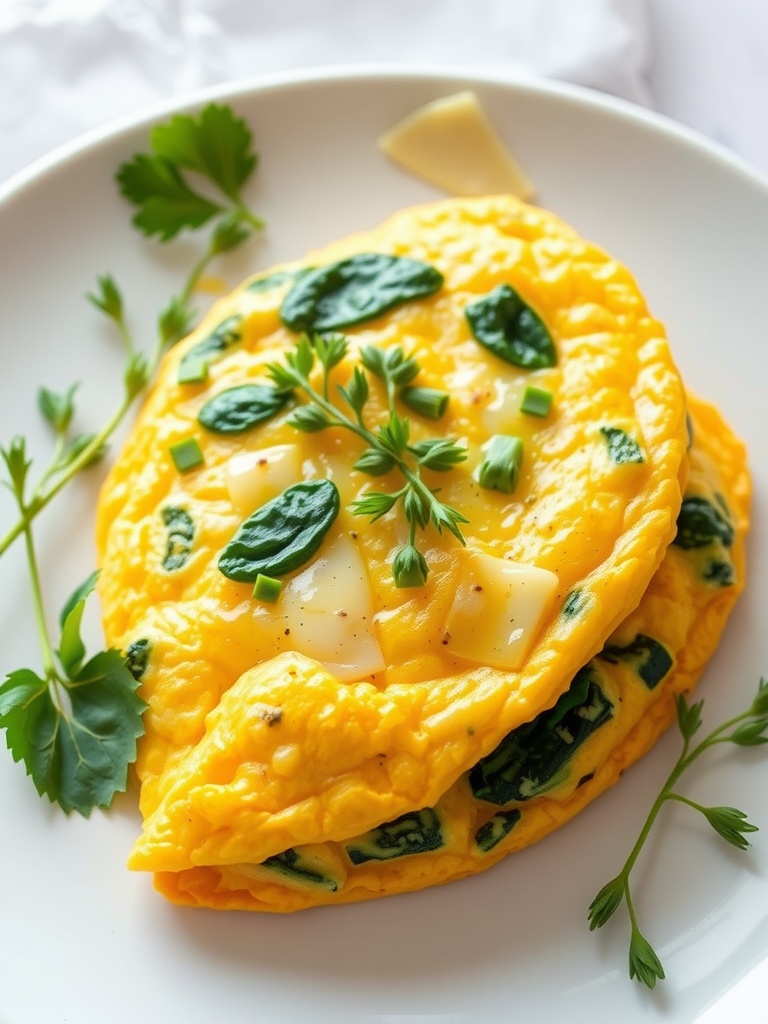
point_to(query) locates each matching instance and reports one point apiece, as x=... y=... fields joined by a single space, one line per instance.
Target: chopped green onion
x=267 y=588
x=409 y=568
x=186 y=454
x=536 y=401
x=193 y=371
x=428 y=402
x=500 y=469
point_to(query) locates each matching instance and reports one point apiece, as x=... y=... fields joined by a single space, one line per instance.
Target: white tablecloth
x=70 y=65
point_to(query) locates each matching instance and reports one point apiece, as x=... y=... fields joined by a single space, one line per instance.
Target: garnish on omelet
x=329 y=718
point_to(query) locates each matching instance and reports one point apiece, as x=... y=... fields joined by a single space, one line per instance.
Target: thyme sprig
x=747 y=729
x=388 y=446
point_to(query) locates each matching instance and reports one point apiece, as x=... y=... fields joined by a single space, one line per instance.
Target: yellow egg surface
x=351 y=701
x=546 y=771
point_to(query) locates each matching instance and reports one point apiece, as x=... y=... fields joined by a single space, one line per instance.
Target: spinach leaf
x=700 y=524
x=719 y=573
x=534 y=758
x=574 y=604
x=137 y=657
x=417 y=832
x=356 y=289
x=238 y=409
x=280 y=277
x=621 y=447
x=213 y=346
x=181 y=533
x=506 y=325
x=650 y=658
x=290 y=865
x=283 y=534
x=492 y=832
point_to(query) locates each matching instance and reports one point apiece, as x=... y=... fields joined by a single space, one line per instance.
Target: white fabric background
x=70 y=65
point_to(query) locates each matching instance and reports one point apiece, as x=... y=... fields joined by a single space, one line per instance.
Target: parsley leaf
x=217 y=145
x=166 y=203
x=75 y=730
x=78 y=756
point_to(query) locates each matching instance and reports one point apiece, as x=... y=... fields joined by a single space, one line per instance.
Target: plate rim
x=579 y=95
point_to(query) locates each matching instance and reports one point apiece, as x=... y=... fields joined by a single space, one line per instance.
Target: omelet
x=317 y=712
x=549 y=769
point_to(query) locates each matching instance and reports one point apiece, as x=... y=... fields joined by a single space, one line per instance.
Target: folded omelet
x=345 y=737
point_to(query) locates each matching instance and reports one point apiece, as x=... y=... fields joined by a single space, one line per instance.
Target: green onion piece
x=536 y=401
x=409 y=568
x=267 y=588
x=193 y=371
x=427 y=402
x=186 y=454
x=500 y=469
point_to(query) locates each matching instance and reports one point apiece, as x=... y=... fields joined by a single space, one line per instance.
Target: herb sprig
x=388 y=447
x=75 y=724
x=747 y=729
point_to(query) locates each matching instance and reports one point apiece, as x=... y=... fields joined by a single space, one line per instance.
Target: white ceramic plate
x=83 y=940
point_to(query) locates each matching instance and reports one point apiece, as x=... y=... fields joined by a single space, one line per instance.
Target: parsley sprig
x=75 y=723
x=388 y=446
x=747 y=729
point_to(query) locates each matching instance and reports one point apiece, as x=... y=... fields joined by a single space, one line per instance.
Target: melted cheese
x=498 y=610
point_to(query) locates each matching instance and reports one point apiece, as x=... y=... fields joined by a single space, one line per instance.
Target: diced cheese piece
x=452 y=144
x=255 y=477
x=498 y=610
x=328 y=609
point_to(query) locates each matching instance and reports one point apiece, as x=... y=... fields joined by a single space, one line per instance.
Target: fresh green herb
x=427 y=402
x=388 y=447
x=283 y=534
x=747 y=729
x=622 y=448
x=355 y=290
x=187 y=454
x=75 y=725
x=217 y=147
x=500 y=469
x=536 y=401
x=267 y=588
x=506 y=325
x=240 y=408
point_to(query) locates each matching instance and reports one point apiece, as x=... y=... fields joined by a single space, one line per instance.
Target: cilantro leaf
x=216 y=144
x=166 y=203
